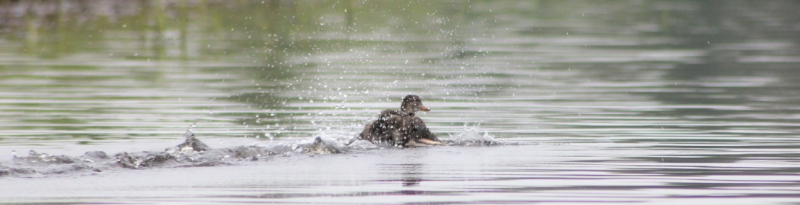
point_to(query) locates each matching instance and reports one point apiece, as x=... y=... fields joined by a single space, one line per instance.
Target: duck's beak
x=423 y=108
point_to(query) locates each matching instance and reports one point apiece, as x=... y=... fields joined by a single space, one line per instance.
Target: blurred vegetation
x=202 y=28
x=268 y=30
x=257 y=39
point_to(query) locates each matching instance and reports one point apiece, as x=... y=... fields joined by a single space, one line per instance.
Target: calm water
x=657 y=102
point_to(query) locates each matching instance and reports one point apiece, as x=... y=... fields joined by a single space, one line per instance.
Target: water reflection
x=664 y=95
x=517 y=68
x=409 y=174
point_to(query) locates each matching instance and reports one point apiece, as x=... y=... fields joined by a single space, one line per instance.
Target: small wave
x=194 y=153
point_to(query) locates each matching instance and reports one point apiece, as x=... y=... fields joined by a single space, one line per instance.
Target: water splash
x=193 y=153
x=471 y=136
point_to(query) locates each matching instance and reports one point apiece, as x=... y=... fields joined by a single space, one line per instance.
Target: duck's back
x=377 y=130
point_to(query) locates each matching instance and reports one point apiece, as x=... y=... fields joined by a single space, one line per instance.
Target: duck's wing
x=377 y=129
x=421 y=131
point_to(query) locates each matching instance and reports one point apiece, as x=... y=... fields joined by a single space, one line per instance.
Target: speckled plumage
x=401 y=127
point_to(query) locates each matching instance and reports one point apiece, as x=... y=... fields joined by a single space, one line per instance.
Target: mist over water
x=594 y=101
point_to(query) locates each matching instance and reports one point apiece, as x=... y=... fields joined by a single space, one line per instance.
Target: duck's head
x=412 y=104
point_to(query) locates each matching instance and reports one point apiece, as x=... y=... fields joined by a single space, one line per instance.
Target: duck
x=401 y=128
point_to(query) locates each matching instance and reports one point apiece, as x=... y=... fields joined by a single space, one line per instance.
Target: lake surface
x=597 y=102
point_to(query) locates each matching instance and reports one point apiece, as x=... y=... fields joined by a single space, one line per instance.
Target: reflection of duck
x=400 y=127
